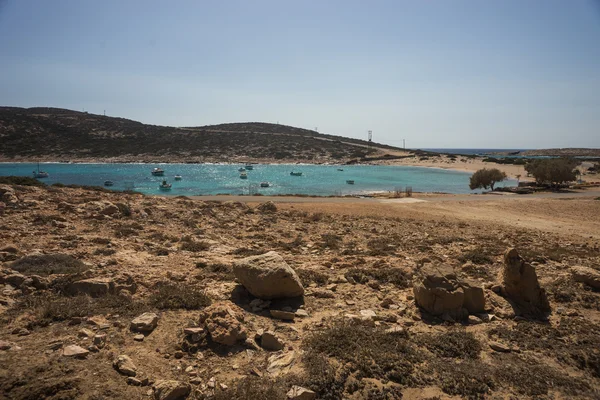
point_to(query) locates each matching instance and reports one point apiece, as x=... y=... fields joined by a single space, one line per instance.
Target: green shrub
x=48 y=264
x=20 y=180
x=453 y=344
x=171 y=296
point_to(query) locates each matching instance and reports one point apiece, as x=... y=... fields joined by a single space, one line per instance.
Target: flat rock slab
x=300 y=393
x=283 y=315
x=171 y=390
x=144 y=323
x=75 y=351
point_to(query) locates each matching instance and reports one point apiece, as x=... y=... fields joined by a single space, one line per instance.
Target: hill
x=59 y=134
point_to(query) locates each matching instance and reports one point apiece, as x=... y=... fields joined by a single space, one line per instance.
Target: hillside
x=565 y=152
x=59 y=134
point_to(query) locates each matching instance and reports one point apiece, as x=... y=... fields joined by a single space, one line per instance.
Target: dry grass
x=48 y=264
x=171 y=296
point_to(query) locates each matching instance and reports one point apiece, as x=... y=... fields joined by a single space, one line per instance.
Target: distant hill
x=566 y=152
x=59 y=134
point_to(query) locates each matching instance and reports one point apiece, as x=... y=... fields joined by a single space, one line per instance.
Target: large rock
x=171 y=390
x=94 y=287
x=281 y=363
x=124 y=364
x=8 y=195
x=270 y=341
x=437 y=291
x=75 y=351
x=586 y=275
x=144 y=323
x=520 y=285
x=300 y=393
x=223 y=322
x=474 y=300
x=268 y=276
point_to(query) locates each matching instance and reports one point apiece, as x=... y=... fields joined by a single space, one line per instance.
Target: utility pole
x=404 y=144
x=105 y=113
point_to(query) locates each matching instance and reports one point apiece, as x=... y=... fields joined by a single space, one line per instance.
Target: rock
x=520 y=284
x=124 y=365
x=8 y=195
x=134 y=382
x=283 y=315
x=270 y=341
x=268 y=207
x=437 y=291
x=38 y=282
x=4 y=345
x=110 y=209
x=144 y=323
x=300 y=393
x=368 y=314
x=280 y=363
x=268 y=276
x=15 y=280
x=75 y=351
x=223 y=323
x=586 y=275
x=301 y=313
x=170 y=390
x=473 y=320
x=94 y=287
x=499 y=347
x=99 y=340
x=9 y=248
x=193 y=331
x=86 y=333
x=55 y=345
x=474 y=300
x=395 y=330
x=139 y=337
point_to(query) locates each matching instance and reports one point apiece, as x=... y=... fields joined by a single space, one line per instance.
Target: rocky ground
x=122 y=296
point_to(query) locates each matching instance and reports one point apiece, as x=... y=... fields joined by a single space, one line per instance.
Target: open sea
x=211 y=179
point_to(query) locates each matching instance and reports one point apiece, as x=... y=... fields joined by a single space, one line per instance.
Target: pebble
x=139 y=338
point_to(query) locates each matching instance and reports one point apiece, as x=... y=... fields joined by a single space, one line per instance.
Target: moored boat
x=178 y=177
x=265 y=184
x=249 y=167
x=108 y=183
x=40 y=174
x=295 y=173
x=158 y=172
x=350 y=182
x=165 y=186
x=242 y=169
x=243 y=175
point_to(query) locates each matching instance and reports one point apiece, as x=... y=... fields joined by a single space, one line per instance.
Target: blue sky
x=479 y=74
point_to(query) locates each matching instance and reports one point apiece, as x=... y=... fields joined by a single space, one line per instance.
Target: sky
x=440 y=74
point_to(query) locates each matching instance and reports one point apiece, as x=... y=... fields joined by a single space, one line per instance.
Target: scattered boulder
x=586 y=275
x=144 y=323
x=75 y=351
x=94 y=287
x=300 y=393
x=280 y=363
x=474 y=300
x=268 y=207
x=437 y=291
x=223 y=323
x=170 y=390
x=124 y=365
x=268 y=276
x=520 y=284
x=270 y=341
x=282 y=315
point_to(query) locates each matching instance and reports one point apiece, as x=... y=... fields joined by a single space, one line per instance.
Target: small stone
x=189 y=369
x=178 y=354
x=473 y=320
x=85 y=333
x=368 y=314
x=395 y=330
x=196 y=381
x=75 y=351
x=134 y=381
x=93 y=348
x=283 y=315
x=499 y=347
x=301 y=314
x=256 y=372
x=139 y=337
x=4 y=345
x=270 y=341
x=144 y=323
x=55 y=345
x=350 y=302
x=124 y=365
x=193 y=331
x=170 y=390
x=300 y=393
x=99 y=340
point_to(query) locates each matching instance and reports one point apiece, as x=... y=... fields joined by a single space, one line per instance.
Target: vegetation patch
x=393 y=275
x=476 y=256
x=48 y=264
x=170 y=296
x=20 y=180
x=194 y=245
x=453 y=344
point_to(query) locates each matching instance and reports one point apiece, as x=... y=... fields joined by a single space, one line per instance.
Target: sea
x=212 y=179
x=475 y=152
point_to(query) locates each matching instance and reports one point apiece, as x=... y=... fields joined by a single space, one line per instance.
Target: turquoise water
x=207 y=179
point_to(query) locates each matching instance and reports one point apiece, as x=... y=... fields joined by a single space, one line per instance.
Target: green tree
x=553 y=171
x=485 y=178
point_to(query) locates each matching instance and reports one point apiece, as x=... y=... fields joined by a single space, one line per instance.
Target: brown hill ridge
x=60 y=134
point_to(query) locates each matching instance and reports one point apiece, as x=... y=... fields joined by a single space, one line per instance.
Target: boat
x=350 y=182
x=295 y=173
x=108 y=183
x=265 y=184
x=243 y=175
x=340 y=169
x=242 y=169
x=249 y=167
x=40 y=174
x=158 y=172
x=164 y=186
x=178 y=177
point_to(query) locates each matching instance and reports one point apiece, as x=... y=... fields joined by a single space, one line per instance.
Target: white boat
x=243 y=175
x=265 y=184
x=350 y=182
x=108 y=183
x=178 y=177
x=40 y=174
x=158 y=172
x=164 y=186
x=295 y=173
